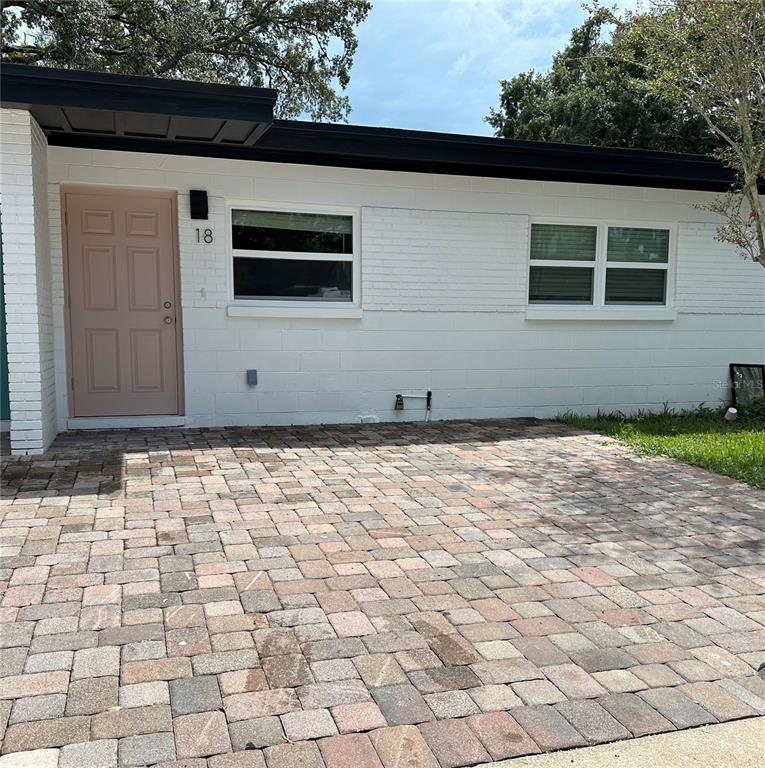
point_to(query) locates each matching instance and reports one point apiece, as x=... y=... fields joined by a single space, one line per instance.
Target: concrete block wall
x=444 y=265
x=711 y=279
x=431 y=260
x=27 y=269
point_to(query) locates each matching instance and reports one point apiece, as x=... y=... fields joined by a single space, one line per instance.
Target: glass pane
x=635 y=286
x=649 y=246
x=563 y=242
x=299 y=232
x=560 y=285
x=292 y=279
x=748 y=383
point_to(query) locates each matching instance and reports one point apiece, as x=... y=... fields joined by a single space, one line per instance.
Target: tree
x=591 y=96
x=710 y=55
x=302 y=48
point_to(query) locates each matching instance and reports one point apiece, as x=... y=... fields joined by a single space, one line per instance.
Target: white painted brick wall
x=45 y=320
x=27 y=270
x=204 y=280
x=443 y=289
x=429 y=260
x=710 y=279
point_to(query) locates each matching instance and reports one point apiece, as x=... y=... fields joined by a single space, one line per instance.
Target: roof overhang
x=425 y=152
x=89 y=105
x=138 y=114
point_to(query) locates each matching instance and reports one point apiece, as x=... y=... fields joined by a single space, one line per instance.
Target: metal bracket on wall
x=427 y=397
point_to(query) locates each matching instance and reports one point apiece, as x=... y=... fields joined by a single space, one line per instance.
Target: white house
x=318 y=271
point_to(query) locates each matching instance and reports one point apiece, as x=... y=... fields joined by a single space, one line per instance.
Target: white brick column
x=26 y=262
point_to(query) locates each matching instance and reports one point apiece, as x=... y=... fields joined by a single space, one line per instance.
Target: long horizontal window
x=299 y=232
x=598 y=265
x=293 y=279
x=293 y=256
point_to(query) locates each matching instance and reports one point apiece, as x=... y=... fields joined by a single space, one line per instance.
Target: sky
x=435 y=65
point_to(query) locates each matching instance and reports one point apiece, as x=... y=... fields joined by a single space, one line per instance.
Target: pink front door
x=123 y=303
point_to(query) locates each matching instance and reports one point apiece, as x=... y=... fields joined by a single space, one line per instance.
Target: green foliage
x=754 y=410
x=300 y=47
x=700 y=437
x=709 y=55
x=686 y=76
x=592 y=96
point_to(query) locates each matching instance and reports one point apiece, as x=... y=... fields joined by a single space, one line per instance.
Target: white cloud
x=461 y=65
x=435 y=64
x=498 y=35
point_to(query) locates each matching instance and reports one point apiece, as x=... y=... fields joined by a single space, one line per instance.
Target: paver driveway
x=418 y=596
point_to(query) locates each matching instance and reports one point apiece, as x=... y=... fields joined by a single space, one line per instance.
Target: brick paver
x=404 y=596
x=454 y=744
x=501 y=735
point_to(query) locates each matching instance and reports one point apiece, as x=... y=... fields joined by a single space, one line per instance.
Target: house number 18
x=204 y=235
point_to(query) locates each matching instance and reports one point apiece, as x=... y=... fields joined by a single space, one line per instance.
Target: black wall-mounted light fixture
x=198 y=203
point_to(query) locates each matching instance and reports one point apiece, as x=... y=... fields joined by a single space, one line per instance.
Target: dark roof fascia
x=24 y=86
x=431 y=152
x=387 y=150
x=292 y=141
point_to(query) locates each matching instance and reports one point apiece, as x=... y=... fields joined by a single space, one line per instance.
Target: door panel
x=141 y=223
x=147 y=363
x=100 y=278
x=102 y=359
x=144 y=270
x=97 y=222
x=122 y=304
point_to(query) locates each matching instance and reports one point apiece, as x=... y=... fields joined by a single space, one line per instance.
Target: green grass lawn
x=701 y=437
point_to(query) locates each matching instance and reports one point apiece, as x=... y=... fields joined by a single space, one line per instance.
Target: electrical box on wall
x=198 y=203
x=252 y=377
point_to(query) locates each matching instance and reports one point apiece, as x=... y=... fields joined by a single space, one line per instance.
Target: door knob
x=168 y=319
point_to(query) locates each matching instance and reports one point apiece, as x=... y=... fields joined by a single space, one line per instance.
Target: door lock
x=167 y=304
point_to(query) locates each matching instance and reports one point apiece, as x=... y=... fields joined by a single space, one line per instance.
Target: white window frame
x=290 y=307
x=599 y=309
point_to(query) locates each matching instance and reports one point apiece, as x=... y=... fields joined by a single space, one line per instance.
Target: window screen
x=636 y=286
x=560 y=285
x=647 y=246
x=563 y=242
